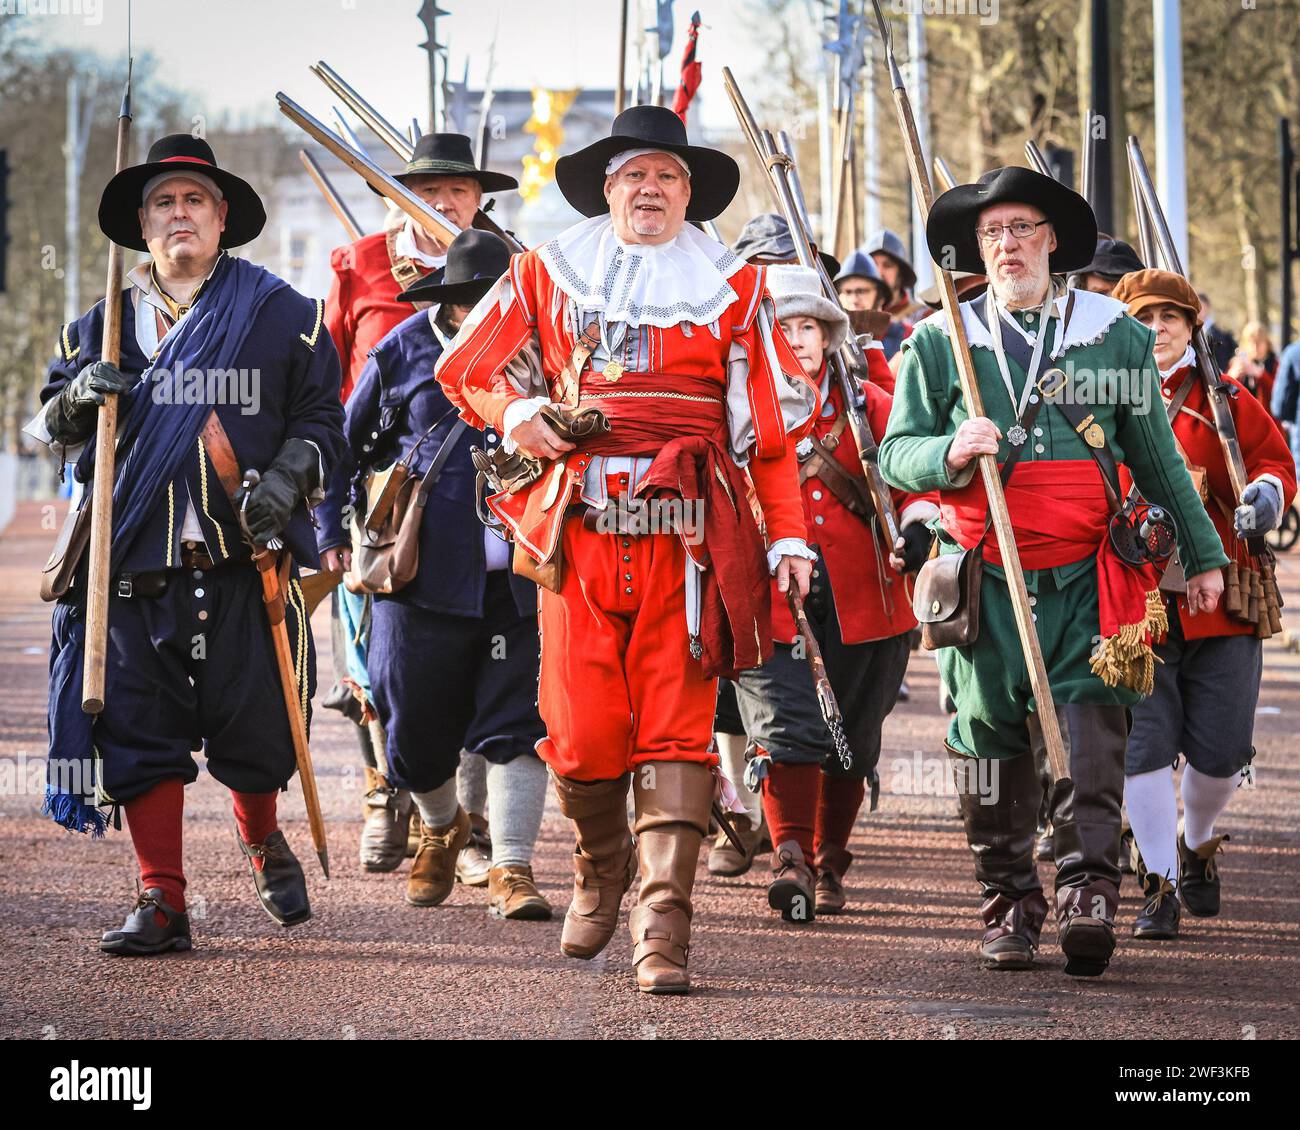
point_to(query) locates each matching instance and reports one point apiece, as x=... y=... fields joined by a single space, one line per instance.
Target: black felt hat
x=714 y=176
x=180 y=153
x=475 y=260
x=1113 y=259
x=450 y=155
x=950 y=230
x=766 y=239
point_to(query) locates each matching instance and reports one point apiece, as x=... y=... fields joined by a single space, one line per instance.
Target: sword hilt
x=251 y=478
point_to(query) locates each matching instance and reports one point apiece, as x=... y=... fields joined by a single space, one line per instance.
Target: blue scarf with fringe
x=156 y=437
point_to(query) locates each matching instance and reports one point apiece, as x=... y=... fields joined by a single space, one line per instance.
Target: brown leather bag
x=946 y=598
x=386 y=549
x=61 y=569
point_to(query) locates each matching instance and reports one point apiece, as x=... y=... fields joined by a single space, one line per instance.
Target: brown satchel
x=946 y=598
x=61 y=569
x=386 y=548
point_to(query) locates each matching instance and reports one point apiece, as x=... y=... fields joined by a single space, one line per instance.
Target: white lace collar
x=683 y=280
x=1092 y=316
x=1188 y=358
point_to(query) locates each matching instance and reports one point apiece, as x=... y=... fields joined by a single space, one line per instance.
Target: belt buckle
x=1057 y=378
x=125 y=586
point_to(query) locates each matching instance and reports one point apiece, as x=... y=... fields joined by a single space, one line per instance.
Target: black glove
x=70 y=416
x=915 y=540
x=293 y=475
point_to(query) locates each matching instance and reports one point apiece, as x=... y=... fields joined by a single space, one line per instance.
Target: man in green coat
x=1095 y=615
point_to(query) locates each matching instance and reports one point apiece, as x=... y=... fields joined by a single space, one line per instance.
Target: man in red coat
x=1207 y=681
x=362 y=307
x=655 y=576
x=857 y=608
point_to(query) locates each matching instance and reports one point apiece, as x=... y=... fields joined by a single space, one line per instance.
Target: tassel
x=1126 y=658
x=74 y=814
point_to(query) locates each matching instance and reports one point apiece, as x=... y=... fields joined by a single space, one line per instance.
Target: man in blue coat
x=453 y=655
x=223 y=367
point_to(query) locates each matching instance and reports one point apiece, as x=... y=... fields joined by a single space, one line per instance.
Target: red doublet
x=1265 y=451
x=871 y=602
x=362 y=305
x=618 y=685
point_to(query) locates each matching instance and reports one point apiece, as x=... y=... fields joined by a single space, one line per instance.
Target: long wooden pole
x=620 y=92
x=988 y=464
x=332 y=198
x=101 y=497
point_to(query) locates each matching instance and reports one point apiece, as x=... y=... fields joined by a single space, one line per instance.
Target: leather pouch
x=946 y=599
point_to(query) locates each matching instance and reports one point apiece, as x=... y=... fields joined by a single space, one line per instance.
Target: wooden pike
x=332 y=198
x=988 y=464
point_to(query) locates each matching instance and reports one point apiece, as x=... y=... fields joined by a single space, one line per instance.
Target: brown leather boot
x=792 y=890
x=831 y=864
x=512 y=893
x=604 y=863
x=673 y=799
x=383 y=835
x=433 y=872
x=1014 y=927
x=724 y=859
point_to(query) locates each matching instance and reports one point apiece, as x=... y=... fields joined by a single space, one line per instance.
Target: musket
x=849 y=363
x=943 y=174
x=272 y=562
x=1087 y=159
x=1217 y=390
x=332 y=198
x=1141 y=217
x=988 y=464
x=101 y=498
x=1038 y=159
x=826 y=701
x=379 y=125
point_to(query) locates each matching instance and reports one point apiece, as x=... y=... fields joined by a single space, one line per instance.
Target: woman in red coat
x=859 y=612
x=1207 y=681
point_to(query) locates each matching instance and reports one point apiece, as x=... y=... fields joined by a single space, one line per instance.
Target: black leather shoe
x=1198 y=876
x=1158 y=919
x=280 y=883
x=141 y=936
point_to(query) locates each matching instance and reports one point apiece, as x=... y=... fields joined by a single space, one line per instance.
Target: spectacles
x=1021 y=229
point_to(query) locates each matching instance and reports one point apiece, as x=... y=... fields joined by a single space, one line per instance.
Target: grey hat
x=860 y=265
x=767 y=236
x=893 y=246
x=797 y=291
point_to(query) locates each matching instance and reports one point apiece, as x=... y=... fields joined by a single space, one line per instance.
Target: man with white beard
x=1059 y=438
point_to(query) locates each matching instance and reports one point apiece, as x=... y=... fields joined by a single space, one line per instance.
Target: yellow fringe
x=1126 y=658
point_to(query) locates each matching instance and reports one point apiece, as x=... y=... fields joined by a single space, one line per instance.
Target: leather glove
x=293 y=475
x=916 y=540
x=70 y=416
x=1259 y=511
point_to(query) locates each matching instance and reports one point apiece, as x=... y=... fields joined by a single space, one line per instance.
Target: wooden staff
x=988 y=464
x=332 y=198
x=101 y=496
x=273 y=568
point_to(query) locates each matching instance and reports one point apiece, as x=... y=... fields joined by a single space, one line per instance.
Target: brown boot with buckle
x=831 y=864
x=513 y=894
x=433 y=872
x=673 y=799
x=724 y=858
x=604 y=863
x=383 y=835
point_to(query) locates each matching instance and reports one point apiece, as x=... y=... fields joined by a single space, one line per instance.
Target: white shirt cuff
x=922 y=511
x=788 y=547
x=519 y=412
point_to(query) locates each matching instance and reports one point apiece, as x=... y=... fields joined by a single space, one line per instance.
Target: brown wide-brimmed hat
x=1140 y=290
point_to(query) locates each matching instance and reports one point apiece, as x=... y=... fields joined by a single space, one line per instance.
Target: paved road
x=899 y=964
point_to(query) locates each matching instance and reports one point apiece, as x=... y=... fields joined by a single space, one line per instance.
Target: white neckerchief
x=404 y=244
x=641 y=284
x=1046 y=311
x=1188 y=358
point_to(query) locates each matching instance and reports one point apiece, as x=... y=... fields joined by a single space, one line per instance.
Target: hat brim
x=455 y=294
x=715 y=177
x=1144 y=301
x=488 y=181
x=818 y=306
x=120 y=204
x=950 y=230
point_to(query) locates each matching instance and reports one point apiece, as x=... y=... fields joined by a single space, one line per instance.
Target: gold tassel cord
x=1126 y=658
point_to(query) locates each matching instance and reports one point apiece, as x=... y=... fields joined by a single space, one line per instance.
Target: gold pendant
x=612 y=371
x=1092 y=434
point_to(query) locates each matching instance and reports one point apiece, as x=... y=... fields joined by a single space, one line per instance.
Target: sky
x=235 y=54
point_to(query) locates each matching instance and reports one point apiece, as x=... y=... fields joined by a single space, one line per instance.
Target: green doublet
x=1110 y=367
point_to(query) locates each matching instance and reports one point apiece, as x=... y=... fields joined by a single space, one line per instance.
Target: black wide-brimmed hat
x=179 y=153
x=450 y=155
x=1113 y=259
x=714 y=176
x=950 y=230
x=475 y=260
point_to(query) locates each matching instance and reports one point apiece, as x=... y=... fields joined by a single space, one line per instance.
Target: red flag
x=691 y=72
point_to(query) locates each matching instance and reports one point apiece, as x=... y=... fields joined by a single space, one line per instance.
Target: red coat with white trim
x=845 y=543
x=1265 y=451
x=527 y=306
x=362 y=305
